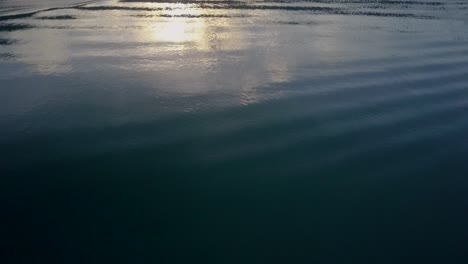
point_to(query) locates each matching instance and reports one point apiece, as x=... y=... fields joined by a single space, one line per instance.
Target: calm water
x=269 y=131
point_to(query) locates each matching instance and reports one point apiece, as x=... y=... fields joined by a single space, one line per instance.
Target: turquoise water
x=234 y=131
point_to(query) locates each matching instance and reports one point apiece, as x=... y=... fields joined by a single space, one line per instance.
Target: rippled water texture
x=320 y=131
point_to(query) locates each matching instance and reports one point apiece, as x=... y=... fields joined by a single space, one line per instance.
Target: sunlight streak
x=180 y=27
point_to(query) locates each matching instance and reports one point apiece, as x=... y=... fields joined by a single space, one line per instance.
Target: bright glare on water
x=224 y=131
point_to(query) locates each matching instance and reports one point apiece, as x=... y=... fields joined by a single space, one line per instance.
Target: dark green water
x=234 y=132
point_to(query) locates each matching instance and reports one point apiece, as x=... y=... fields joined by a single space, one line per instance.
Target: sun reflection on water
x=172 y=49
x=179 y=26
x=179 y=30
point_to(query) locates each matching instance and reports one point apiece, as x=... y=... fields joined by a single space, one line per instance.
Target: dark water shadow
x=32 y=13
x=7 y=56
x=18 y=16
x=6 y=42
x=104 y=8
x=28 y=14
x=297 y=23
x=14 y=27
x=64 y=17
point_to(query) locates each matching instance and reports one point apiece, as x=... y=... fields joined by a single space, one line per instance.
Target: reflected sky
x=48 y=54
x=235 y=54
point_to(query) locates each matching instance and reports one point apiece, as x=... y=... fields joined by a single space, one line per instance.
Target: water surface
x=273 y=131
